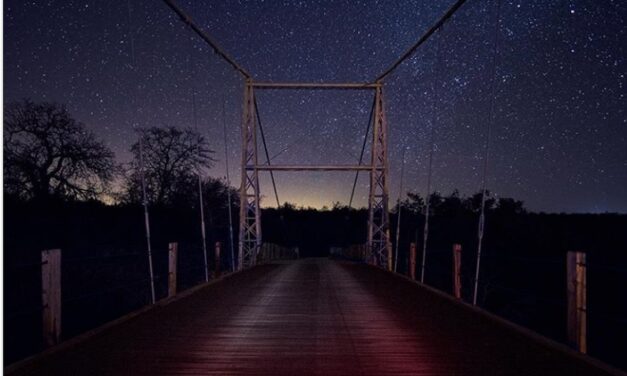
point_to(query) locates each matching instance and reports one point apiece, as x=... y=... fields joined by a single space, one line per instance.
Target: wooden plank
x=51 y=296
x=172 y=260
x=312 y=317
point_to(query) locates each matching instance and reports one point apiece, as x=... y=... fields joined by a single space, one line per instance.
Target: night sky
x=559 y=139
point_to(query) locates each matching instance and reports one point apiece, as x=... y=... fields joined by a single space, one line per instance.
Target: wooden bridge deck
x=309 y=317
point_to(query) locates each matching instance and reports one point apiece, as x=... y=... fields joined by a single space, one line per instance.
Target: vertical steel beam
x=378 y=215
x=250 y=213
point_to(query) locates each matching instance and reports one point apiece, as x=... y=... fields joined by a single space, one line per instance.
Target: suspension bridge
x=286 y=316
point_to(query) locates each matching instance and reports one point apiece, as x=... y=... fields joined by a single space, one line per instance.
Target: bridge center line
x=246 y=321
x=332 y=293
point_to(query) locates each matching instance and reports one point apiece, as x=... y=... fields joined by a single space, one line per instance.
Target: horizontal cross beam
x=315 y=85
x=312 y=167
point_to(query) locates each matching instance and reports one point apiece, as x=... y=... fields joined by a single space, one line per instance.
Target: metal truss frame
x=378 y=215
x=250 y=212
x=250 y=239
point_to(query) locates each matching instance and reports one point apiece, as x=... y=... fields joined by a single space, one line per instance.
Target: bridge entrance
x=250 y=236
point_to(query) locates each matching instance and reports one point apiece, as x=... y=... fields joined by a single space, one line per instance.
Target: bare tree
x=172 y=159
x=47 y=153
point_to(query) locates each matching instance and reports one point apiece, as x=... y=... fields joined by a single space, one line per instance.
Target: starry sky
x=559 y=130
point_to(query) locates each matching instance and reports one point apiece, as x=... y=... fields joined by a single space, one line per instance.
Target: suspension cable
x=141 y=164
x=486 y=157
x=361 y=154
x=297 y=141
x=201 y=208
x=265 y=147
x=220 y=51
x=434 y=118
x=228 y=185
x=448 y=14
x=398 y=214
x=204 y=36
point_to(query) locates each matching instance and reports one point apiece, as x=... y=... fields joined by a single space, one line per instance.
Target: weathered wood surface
x=172 y=261
x=310 y=317
x=457 y=271
x=577 y=300
x=51 y=296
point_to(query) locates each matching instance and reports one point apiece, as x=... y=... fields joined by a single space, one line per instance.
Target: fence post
x=412 y=261
x=51 y=296
x=172 y=256
x=577 y=300
x=457 y=270
x=217 y=258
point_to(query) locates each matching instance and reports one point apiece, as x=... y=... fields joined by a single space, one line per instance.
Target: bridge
x=316 y=316
x=310 y=317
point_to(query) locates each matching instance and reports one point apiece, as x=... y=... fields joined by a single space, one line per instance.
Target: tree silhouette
x=172 y=159
x=48 y=154
x=510 y=206
x=215 y=193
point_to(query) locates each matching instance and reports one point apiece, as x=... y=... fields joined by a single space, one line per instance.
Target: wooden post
x=217 y=258
x=51 y=295
x=577 y=300
x=457 y=270
x=172 y=256
x=412 y=261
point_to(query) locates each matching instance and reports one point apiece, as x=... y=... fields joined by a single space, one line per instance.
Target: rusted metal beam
x=204 y=36
x=311 y=167
x=250 y=213
x=315 y=85
x=378 y=212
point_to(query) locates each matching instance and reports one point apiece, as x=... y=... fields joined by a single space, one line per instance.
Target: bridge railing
x=270 y=252
x=354 y=252
x=507 y=290
x=62 y=295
